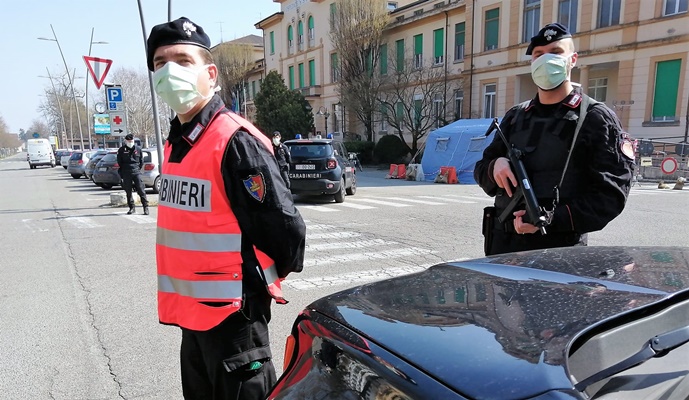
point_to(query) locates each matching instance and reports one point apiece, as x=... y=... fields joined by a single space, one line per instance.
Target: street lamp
x=59 y=105
x=71 y=83
x=322 y=110
x=89 y=120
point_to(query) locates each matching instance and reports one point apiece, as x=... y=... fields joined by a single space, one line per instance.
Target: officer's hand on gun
x=505 y=179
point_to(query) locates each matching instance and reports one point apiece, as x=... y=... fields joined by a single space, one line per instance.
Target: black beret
x=276 y=133
x=179 y=31
x=129 y=137
x=549 y=34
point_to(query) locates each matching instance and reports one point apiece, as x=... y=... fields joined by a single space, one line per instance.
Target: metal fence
x=662 y=158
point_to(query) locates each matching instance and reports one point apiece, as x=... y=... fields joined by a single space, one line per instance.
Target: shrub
x=363 y=149
x=390 y=150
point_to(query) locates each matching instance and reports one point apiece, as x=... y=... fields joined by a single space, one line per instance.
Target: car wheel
x=156 y=185
x=106 y=186
x=76 y=176
x=351 y=191
x=340 y=195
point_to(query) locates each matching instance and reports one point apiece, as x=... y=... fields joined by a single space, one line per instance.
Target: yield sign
x=98 y=68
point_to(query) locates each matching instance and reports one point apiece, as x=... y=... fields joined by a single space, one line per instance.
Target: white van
x=40 y=153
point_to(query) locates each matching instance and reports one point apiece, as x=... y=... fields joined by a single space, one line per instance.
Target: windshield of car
x=75 y=156
x=310 y=150
x=109 y=158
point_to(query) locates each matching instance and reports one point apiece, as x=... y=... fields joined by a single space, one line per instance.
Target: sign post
x=98 y=68
x=114 y=97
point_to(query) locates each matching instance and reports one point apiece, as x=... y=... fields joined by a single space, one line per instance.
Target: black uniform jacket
x=282 y=155
x=606 y=171
x=273 y=225
x=130 y=160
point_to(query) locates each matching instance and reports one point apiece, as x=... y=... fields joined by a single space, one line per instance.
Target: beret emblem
x=188 y=28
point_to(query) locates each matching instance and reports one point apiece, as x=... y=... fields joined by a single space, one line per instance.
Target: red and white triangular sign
x=98 y=68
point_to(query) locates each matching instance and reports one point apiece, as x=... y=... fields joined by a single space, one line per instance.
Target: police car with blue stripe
x=321 y=167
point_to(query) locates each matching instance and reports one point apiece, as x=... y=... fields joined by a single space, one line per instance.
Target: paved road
x=77 y=299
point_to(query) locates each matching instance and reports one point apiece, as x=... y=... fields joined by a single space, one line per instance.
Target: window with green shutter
x=399 y=112
x=300 y=35
x=459 y=41
x=312 y=32
x=334 y=68
x=290 y=38
x=291 y=77
x=312 y=72
x=400 y=55
x=253 y=89
x=492 y=27
x=418 y=51
x=666 y=90
x=438 y=46
x=384 y=59
x=301 y=75
x=272 y=42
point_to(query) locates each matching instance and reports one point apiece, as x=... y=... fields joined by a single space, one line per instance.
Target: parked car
x=106 y=174
x=77 y=163
x=321 y=167
x=91 y=165
x=64 y=158
x=39 y=152
x=150 y=174
x=569 y=323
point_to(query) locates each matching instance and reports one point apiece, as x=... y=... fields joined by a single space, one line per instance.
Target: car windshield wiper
x=657 y=346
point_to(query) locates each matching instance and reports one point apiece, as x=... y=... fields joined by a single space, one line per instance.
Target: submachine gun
x=537 y=215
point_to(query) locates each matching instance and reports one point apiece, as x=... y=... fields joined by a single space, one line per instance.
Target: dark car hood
x=498 y=327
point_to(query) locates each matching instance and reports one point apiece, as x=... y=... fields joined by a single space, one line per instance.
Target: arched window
x=290 y=39
x=300 y=35
x=312 y=32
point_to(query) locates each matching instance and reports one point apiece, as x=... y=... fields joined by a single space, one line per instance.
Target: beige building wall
x=617 y=63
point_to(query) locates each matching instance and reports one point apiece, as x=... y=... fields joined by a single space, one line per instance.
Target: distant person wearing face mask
x=228 y=231
x=582 y=193
x=282 y=156
x=131 y=161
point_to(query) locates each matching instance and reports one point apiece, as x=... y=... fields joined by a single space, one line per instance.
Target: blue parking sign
x=114 y=94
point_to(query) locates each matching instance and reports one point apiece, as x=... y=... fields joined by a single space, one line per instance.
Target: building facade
x=633 y=56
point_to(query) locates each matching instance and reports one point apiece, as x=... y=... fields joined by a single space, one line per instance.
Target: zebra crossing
x=85 y=222
x=377 y=202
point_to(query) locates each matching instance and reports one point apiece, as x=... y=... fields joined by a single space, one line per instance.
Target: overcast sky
x=116 y=22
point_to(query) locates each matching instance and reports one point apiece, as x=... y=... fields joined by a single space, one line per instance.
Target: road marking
x=83 y=222
x=355 y=206
x=449 y=200
x=33 y=226
x=383 y=255
x=140 y=219
x=320 y=227
x=383 y=203
x=430 y=203
x=349 y=278
x=319 y=208
x=332 y=235
x=350 y=245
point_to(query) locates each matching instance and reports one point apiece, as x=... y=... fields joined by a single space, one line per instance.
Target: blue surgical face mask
x=176 y=85
x=549 y=70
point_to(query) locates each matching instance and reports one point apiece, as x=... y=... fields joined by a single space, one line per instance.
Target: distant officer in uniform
x=131 y=161
x=598 y=178
x=228 y=231
x=282 y=156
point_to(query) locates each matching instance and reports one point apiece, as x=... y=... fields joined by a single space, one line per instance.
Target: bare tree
x=40 y=127
x=234 y=62
x=356 y=31
x=3 y=126
x=415 y=98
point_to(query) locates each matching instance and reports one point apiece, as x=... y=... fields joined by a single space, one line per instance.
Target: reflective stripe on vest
x=208 y=242
x=201 y=290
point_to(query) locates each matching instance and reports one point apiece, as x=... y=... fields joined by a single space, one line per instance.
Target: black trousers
x=217 y=364
x=508 y=241
x=129 y=180
x=284 y=171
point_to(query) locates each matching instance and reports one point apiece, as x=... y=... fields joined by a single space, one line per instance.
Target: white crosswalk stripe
x=368 y=256
x=349 y=245
x=83 y=222
x=349 y=204
x=332 y=235
x=382 y=203
x=140 y=219
x=319 y=208
x=473 y=198
x=449 y=200
x=403 y=199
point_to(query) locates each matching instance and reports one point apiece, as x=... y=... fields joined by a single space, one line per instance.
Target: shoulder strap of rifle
x=583 y=110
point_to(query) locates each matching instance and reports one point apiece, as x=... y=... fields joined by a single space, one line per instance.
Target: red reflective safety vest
x=198 y=240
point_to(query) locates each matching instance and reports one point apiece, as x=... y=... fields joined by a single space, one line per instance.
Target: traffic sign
x=118 y=124
x=98 y=68
x=114 y=96
x=668 y=165
x=101 y=124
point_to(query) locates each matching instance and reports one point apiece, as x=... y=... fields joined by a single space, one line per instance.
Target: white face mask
x=549 y=70
x=276 y=141
x=129 y=144
x=176 y=85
